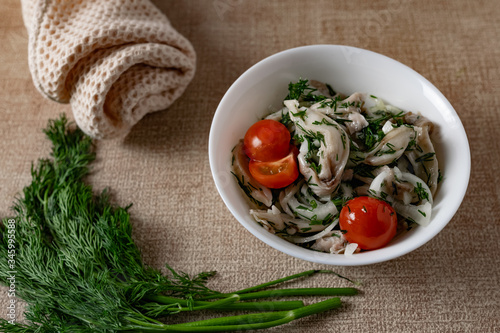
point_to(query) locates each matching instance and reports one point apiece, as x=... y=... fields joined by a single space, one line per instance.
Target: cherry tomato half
x=369 y=222
x=275 y=174
x=267 y=140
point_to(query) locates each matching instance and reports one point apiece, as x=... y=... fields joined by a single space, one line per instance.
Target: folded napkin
x=114 y=61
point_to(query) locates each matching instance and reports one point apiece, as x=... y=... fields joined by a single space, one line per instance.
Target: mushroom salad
x=335 y=173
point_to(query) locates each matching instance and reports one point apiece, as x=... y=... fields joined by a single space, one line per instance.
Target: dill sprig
x=303 y=92
x=373 y=134
x=79 y=270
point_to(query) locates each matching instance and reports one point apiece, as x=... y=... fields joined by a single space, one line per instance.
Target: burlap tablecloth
x=449 y=285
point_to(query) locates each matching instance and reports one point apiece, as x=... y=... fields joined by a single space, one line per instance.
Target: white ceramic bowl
x=348 y=70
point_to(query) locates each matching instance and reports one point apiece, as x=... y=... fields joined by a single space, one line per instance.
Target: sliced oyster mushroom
x=347 y=111
x=423 y=159
x=335 y=242
x=297 y=201
x=258 y=194
x=324 y=150
x=322 y=88
x=274 y=220
x=417 y=119
x=391 y=147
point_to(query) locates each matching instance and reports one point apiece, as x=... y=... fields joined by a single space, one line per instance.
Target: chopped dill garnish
x=330 y=90
x=365 y=170
x=390 y=150
x=440 y=176
x=421 y=192
x=427 y=157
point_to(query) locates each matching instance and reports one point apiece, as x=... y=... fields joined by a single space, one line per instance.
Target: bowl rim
x=327 y=258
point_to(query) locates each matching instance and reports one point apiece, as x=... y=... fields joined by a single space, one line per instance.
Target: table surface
x=451 y=284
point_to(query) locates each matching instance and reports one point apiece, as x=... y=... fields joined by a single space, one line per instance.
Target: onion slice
x=350 y=249
x=420 y=214
x=414 y=180
x=320 y=234
x=377 y=184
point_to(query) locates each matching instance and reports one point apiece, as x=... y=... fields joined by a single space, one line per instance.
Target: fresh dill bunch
x=79 y=270
x=75 y=254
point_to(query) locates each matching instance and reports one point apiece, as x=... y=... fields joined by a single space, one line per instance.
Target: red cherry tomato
x=267 y=140
x=275 y=174
x=369 y=222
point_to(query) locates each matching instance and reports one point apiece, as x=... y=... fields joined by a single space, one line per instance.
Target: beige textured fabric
x=113 y=61
x=449 y=285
